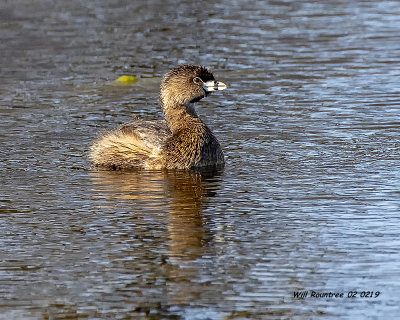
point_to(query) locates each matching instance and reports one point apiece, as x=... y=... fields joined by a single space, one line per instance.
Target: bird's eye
x=197 y=81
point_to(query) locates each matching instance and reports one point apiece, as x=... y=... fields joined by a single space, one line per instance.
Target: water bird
x=180 y=141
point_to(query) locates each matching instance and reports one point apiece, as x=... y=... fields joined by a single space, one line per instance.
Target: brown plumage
x=181 y=141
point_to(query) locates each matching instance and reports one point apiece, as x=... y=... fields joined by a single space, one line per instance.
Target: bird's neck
x=180 y=116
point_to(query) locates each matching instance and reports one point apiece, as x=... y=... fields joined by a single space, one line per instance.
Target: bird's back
x=132 y=145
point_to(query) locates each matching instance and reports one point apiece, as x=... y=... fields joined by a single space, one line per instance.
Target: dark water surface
x=309 y=198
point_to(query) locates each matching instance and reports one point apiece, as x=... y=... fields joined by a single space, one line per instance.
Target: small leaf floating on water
x=127 y=80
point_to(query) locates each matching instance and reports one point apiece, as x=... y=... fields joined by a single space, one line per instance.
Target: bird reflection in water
x=176 y=199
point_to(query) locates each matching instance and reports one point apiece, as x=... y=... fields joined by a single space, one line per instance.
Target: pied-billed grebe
x=181 y=141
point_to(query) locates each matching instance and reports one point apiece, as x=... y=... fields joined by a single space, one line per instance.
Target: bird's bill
x=213 y=85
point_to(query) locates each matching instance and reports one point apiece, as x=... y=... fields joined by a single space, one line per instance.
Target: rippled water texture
x=309 y=198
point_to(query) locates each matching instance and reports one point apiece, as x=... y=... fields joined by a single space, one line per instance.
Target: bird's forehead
x=205 y=74
x=190 y=71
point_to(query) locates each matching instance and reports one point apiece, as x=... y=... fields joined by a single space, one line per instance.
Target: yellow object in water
x=127 y=79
